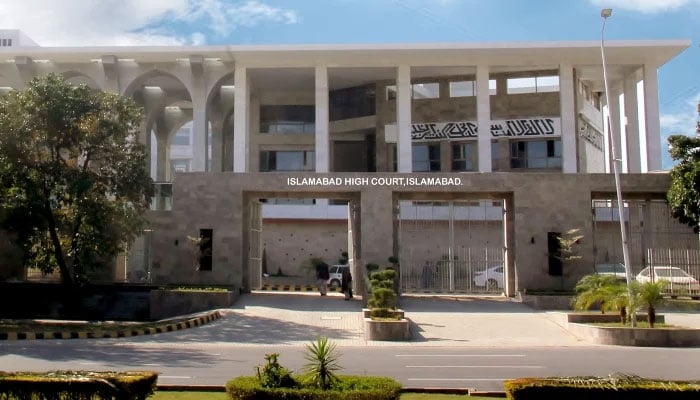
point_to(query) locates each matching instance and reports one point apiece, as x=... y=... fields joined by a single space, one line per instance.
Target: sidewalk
x=295 y=319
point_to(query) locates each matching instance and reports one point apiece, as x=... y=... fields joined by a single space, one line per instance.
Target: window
x=535 y=154
x=180 y=165
x=425 y=90
x=9 y=42
x=463 y=157
x=534 y=84
x=426 y=158
x=287 y=161
x=206 y=249
x=4 y=43
x=429 y=90
x=182 y=137
x=462 y=89
x=288 y=119
x=351 y=102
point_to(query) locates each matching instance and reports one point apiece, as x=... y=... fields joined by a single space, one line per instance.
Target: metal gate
x=452 y=246
x=255 y=245
x=660 y=247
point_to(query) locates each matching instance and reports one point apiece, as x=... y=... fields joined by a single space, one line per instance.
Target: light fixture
x=616 y=161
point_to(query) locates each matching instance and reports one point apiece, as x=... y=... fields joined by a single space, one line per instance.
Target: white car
x=490 y=278
x=616 y=269
x=336 y=276
x=679 y=281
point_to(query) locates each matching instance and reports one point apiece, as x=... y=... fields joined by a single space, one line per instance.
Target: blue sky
x=110 y=22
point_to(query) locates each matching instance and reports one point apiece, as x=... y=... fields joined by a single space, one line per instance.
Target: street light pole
x=617 y=164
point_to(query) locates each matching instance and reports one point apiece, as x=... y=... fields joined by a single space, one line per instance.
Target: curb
x=111 y=333
x=294 y=288
x=456 y=391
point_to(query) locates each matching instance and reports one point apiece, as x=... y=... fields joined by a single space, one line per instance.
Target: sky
x=213 y=22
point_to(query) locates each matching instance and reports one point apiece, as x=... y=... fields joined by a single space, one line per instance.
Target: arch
x=141 y=79
x=80 y=78
x=211 y=92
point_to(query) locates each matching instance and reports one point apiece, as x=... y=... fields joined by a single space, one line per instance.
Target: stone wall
x=536 y=203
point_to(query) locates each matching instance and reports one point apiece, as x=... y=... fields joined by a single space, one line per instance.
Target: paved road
x=458 y=342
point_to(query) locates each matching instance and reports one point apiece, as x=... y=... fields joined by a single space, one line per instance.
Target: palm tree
x=651 y=294
x=597 y=289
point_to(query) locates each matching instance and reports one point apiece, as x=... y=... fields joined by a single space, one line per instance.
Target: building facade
x=457 y=158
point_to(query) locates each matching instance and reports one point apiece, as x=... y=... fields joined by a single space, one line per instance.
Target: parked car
x=615 y=269
x=490 y=278
x=679 y=281
x=336 y=276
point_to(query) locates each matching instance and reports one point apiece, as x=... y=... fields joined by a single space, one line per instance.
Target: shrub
x=615 y=387
x=273 y=375
x=345 y=387
x=383 y=294
x=322 y=362
x=61 y=385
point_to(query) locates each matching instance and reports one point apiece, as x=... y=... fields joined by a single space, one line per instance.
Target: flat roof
x=654 y=52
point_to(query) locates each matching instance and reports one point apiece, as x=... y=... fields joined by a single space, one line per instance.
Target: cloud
x=135 y=22
x=681 y=121
x=645 y=6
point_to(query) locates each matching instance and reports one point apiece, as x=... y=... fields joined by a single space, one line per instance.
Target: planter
x=589 y=318
x=649 y=337
x=171 y=303
x=547 y=302
x=386 y=330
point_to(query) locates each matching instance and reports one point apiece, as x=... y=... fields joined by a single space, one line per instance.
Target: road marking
x=173 y=377
x=474 y=366
x=460 y=355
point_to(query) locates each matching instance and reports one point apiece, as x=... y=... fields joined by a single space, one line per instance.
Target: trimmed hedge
x=77 y=385
x=622 y=387
x=349 y=387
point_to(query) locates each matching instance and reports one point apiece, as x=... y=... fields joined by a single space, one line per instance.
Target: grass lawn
x=222 y=396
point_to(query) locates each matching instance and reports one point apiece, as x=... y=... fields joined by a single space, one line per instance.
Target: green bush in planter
x=382 y=294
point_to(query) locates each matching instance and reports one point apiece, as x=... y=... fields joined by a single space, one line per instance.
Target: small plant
x=273 y=375
x=650 y=295
x=371 y=267
x=567 y=245
x=600 y=290
x=322 y=363
x=343 y=260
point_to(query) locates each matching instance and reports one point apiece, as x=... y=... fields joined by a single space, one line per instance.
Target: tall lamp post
x=617 y=161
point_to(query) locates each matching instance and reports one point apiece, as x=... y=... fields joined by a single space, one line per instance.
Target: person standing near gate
x=322 y=275
x=346 y=283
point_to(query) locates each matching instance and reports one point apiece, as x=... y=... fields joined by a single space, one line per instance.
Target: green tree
x=73 y=182
x=650 y=294
x=684 y=193
x=600 y=290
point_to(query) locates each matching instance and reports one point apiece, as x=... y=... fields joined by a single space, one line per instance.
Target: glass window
x=351 y=102
x=462 y=89
x=426 y=90
x=287 y=161
x=180 y=165
x=492 y=87
x=533 y=84
x=541 y=154
x=288 y=119
x=463 y=157
x=426 y=157
x=391 y=92
x=182 y=137
x=9 y=42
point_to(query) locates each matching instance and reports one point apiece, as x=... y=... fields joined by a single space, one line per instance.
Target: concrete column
x=614 y=110
x=632 y=128
x=199 y=136
x=162 y=166
x=651 y=118
x=322 y=140
x=240 y=120
x=217 y=145
x=483 y=118
x=568 y=118
x=404 y=152
x=111 y=76
x=377 y=226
